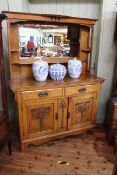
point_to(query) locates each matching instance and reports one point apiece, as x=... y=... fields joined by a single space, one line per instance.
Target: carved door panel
x=62 y=114
x=82 y=111
x=40 y=118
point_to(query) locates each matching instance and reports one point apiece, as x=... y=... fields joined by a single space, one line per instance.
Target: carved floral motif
x=81 y=107
x=40 y=114
x=62 y=106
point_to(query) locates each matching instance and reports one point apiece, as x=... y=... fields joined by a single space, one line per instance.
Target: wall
x=107 y=53
x=81 y=8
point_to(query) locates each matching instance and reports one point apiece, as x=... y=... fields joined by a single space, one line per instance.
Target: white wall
x=107 y=53
x=18 y=5
x=81 y=8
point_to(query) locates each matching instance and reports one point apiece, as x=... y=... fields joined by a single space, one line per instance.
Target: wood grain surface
x=87 y=154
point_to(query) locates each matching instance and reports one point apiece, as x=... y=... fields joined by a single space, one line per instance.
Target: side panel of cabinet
x=84 y=47
x=82 y=111
x=39 y=118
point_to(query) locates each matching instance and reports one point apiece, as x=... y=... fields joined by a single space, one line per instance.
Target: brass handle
x=82 y=90
x=43 y=94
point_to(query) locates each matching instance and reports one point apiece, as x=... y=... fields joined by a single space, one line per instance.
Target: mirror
x=1 y=103
x=38 y=40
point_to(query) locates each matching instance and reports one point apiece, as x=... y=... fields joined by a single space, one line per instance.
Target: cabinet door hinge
x=68 y=115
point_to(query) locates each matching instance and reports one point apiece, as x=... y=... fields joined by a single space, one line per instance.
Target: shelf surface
x=32 y=84
x=30 y=60
x=14 y=50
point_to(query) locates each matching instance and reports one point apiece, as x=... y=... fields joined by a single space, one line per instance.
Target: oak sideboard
x=52 y=109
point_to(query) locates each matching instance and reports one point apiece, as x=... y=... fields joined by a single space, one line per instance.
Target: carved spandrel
x=62 y=105
x=81 y=107
x=40 y=114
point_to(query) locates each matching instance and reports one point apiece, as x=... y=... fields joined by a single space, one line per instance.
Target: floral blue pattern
x=40 y=70
x=74 y=68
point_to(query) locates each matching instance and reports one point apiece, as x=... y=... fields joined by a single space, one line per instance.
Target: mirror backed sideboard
x=52 y=109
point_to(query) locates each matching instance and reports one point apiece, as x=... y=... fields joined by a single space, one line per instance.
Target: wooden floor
x=88 y=154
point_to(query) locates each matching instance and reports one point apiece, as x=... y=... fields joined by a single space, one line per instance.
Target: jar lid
x=57 y=67
x=74 y=60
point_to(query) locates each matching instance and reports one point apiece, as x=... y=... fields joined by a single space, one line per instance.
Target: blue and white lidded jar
x=74 y=68
x=40 y=70
x=57 y=71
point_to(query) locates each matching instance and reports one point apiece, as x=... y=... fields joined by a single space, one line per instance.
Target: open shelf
x=30 y=60
x=14 y=50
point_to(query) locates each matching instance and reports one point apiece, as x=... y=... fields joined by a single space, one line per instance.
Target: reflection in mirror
x=1 y=104
x=37 y=40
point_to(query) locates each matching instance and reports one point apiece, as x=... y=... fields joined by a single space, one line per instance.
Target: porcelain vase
x=40 y=70
x=57 y=71
x=74 y=68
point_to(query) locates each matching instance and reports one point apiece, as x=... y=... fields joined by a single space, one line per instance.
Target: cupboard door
x=82 y=111
x=39 y=118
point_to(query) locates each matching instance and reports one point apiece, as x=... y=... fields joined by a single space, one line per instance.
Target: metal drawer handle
x=43 y=94
x=82 y=90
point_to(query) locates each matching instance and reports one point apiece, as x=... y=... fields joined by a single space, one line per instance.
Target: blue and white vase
x=57 y=71
x=40 y=70
x=74 y=68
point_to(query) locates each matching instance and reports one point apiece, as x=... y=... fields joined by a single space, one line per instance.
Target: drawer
x=80 y=89
x=42 y=94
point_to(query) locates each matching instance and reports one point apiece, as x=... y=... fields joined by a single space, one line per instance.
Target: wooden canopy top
x=29 y=17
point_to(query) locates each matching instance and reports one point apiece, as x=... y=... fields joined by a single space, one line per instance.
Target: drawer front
x=42 y=94
x=80 y=89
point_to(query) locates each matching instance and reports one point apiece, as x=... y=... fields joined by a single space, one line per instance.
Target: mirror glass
x=37 y=40
x=1 y=104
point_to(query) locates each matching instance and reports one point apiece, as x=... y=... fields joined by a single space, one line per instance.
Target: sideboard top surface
x=31 y=84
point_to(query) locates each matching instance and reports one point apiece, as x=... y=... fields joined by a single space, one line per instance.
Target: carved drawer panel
x=42 y=94
x=80 y=89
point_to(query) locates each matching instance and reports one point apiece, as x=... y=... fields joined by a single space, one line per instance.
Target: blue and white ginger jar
x=40 y=70
x=57 y=71
x=74 y=68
